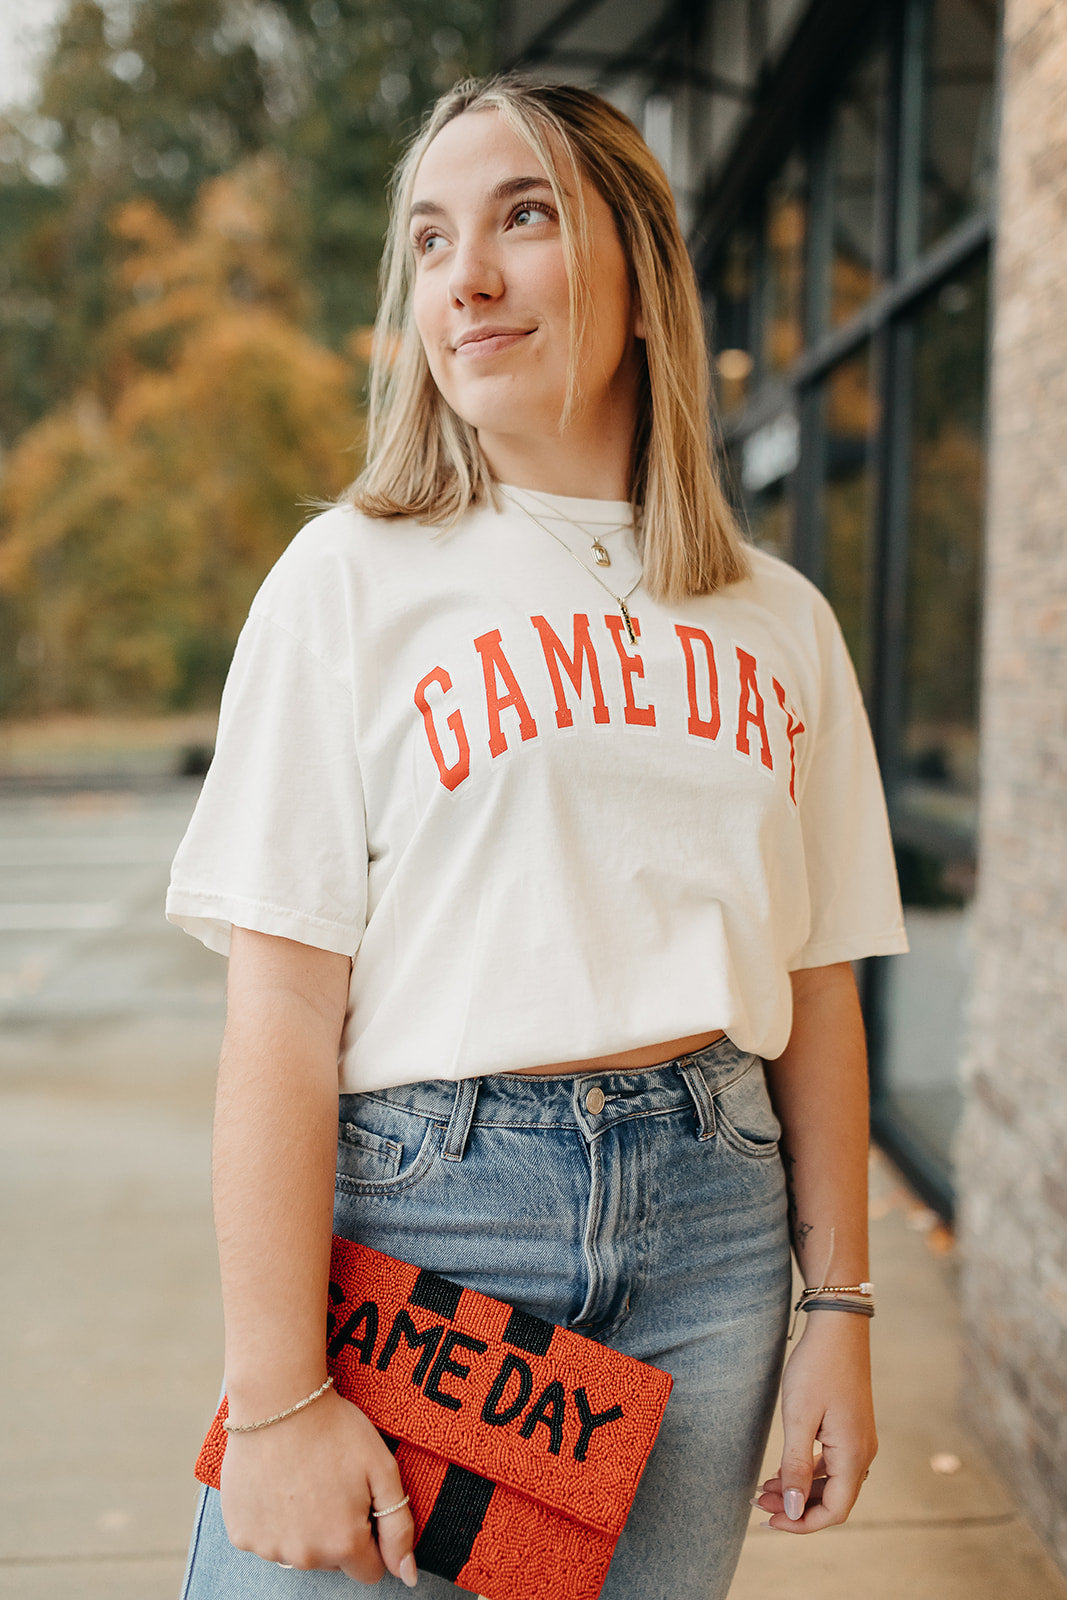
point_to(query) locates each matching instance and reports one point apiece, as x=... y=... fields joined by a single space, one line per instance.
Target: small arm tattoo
x=798 y=1231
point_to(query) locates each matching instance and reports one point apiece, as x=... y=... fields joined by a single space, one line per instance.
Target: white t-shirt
x=440 y=753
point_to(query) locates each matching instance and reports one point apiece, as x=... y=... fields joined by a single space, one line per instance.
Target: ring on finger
x=387 y=1510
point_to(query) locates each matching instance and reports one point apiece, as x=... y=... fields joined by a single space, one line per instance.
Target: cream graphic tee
x=441 y=753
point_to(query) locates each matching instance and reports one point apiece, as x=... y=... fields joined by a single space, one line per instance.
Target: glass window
x=957 y=146
x=945 y=548
x=769 y=457
x=770 y=515
x=856 y=179
x=784 y=238
x=781 y=17
x=847 y=504
x=732 y=290
x=934 y=796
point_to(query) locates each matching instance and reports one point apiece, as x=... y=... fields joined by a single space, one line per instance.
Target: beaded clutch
x=521 y=1444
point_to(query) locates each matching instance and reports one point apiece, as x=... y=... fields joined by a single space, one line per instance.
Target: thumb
x=796 y=1471
x=395 y=1529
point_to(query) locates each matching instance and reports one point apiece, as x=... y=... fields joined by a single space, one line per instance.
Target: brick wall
x=1013 y=1142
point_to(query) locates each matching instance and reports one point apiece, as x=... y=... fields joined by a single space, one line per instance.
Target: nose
x=476 y=275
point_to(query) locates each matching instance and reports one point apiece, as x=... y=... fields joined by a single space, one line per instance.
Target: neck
x=580 y=480
x=590 y=461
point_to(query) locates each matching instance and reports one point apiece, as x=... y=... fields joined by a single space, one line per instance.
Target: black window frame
x=804 y=84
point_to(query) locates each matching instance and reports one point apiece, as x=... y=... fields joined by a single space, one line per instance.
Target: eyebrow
x=499 y=191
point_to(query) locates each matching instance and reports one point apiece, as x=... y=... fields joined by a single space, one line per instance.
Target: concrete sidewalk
x=110 y=1337
x=934 y=1521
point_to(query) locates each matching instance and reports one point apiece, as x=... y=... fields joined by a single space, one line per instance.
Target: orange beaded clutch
x=520 y=1444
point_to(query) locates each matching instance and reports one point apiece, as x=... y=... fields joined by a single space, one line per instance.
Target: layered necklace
x=600 y=555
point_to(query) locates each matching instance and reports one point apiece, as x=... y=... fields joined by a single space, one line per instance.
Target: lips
x=488 y=341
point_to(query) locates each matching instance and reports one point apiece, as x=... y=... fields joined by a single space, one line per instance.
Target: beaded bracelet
x=857 y=1297
x=866 y=1289
x=279 y=1416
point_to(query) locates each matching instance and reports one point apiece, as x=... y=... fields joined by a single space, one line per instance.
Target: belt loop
x=696 y=1083
x=459 y=1126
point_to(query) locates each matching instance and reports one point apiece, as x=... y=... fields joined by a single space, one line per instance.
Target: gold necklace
x=601 y=556
x=620 y=599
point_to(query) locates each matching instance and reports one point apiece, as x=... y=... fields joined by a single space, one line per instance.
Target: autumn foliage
x=139 y=518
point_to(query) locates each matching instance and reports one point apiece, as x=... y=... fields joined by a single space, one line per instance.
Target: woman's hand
x=301 y=1492
x=826 y=1397
x=819 y=1089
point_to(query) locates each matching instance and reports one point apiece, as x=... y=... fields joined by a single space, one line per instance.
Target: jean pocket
x=744 y=1115
x=366 y=1157
x=381 y=1148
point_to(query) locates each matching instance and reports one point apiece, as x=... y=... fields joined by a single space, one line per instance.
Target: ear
x=639 y=322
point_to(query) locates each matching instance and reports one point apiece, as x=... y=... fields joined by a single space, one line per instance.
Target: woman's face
x=491 y=297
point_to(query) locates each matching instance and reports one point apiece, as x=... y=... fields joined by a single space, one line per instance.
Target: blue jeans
x=653 y=1220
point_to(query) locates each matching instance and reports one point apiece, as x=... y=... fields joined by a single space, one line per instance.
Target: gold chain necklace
x=601 y=556
x=620 y=599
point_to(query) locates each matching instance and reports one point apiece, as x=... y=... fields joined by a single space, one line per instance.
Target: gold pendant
x=629 y=624
x=600 y=555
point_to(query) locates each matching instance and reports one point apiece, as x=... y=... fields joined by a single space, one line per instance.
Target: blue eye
x=533 y=208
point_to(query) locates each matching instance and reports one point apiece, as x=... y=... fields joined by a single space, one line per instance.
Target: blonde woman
x=544 y=824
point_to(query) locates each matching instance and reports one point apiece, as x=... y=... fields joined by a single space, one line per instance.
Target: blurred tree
x=368 y=70
x=147 y=99
x=153 y=97
x=138 y=530
x=165 y=394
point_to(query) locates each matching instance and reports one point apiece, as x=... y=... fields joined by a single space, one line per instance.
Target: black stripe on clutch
x=435 y=1294
x=454 y=1523
x=532 y=1334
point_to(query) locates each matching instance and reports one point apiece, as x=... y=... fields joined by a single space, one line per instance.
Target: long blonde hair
x=424 y=461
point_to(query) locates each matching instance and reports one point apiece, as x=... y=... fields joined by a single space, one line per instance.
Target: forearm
x=299 y=1493
x=819 y=1089
x=273 y=1179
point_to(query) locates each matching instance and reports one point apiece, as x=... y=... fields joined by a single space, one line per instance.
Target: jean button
x=594 y=1101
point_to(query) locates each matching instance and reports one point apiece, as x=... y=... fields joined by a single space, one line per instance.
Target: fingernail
x=772 y=1527
x=755 y=1500
x=409 y=1572
x=794 y=1504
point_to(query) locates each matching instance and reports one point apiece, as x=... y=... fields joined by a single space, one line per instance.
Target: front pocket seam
x=419 y=1167
x=374 y=1143
x=762 y=1150
x=739 y=1077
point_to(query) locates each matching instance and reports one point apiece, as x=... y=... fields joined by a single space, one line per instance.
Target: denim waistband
x=569 y=1100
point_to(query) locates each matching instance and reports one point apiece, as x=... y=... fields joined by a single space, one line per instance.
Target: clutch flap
x=541 y=1410
x=544 y=1410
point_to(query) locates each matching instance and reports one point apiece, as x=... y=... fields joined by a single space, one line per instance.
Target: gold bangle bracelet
x=279 y=1416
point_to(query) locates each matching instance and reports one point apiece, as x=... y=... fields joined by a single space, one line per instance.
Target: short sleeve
x=277 y=842
x=848 y=850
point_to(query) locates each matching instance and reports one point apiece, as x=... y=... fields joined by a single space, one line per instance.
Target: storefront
x=834 y=165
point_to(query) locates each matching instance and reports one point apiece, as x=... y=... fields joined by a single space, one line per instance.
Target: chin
x=511 y=417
